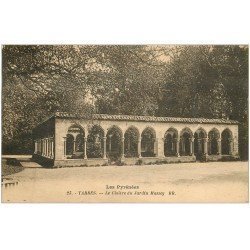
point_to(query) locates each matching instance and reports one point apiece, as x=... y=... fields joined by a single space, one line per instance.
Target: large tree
x=211 y=82
x=185 y=81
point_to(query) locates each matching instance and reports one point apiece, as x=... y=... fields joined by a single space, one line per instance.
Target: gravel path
x=186 y=182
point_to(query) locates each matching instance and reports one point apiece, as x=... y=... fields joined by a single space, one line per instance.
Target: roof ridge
x=149 y=118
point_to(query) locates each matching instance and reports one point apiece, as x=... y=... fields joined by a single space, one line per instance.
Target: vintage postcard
x=125 y=123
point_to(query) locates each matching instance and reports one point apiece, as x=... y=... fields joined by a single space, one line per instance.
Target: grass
x=11 y=166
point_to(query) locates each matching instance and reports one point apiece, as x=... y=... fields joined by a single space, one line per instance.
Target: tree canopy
x=208 y=81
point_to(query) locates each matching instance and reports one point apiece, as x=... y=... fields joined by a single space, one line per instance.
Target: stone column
x=122 y=147
x=231 y=146
x=85 y=147
x=44 y=142
x=35 y=147
x=110 y=136
x=205 y=140
x=156 y=147
x=104 y=147
x=191 y=146
x=39 y=146
x=139 y=147
x=163 y=147
x=42 y=147
x=52 y=147
x=65 y=147
x=45 y=147
x=74 y=146
x=49 y=147
x=48 y=154
x=177 y=141
x=219 y=146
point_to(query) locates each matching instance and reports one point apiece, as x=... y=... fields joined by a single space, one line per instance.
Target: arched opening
x=148 y=143
x=185 y=142
x=226 y=137
x=114 y=148
x=95 y=142
x=199 y=143
x=213 y=137
x=131 y=138
x=75 y=142
x=170 y=140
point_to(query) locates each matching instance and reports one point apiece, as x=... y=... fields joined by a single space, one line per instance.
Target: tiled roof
x=147 y=118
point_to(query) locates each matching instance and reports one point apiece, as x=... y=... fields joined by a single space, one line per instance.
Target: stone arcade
x=64 y=140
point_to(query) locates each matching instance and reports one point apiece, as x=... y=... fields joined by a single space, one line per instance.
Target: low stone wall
x=152 y=160
x=181 y=159
x=130 y=161
x=213 y=157
x=44 y=161
x=222 y=157
x=127 y=161
x=95 y=162
x=81 y=162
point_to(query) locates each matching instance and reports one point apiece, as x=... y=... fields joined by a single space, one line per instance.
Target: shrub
x=229 y=158
x=121 y=163
x=105 y=164
x=139 y=162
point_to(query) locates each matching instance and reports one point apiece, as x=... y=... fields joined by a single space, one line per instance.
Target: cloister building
x=65 y=140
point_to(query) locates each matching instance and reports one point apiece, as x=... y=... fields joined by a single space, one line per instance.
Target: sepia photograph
x=125 y=123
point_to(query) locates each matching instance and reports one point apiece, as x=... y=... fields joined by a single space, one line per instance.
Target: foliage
x=131 y=143
x=95 y=142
